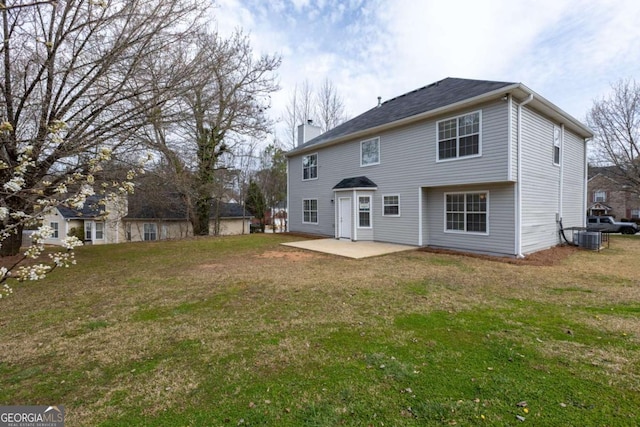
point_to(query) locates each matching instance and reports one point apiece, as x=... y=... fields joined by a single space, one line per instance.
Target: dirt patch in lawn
x=547 y=257
x=290 y=256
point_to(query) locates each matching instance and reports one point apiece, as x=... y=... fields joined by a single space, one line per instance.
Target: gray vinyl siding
x=409 y=168
x=500 y=239
x=573 y=203
x=408 y=161
x=540 y=183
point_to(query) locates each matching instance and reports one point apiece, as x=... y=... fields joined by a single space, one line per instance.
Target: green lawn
x=243 y=331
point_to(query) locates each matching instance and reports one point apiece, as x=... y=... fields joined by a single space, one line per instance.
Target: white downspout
x=419 y=216
x=288 y=201
x=519 y=180
x=510 y=138
x=584 y=186
x=354 y=217
x=560 y=201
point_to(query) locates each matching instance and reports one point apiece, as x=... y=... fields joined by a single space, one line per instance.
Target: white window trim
x=317 y=213
x=363 y=165
x=464 y=232
x=595 y=197
x=94 y=230
x=370 y=226
x=317 y=166
x=56 y=229
x=453 y=159
x=556 y=143
x=155 y=227
x=383 y=205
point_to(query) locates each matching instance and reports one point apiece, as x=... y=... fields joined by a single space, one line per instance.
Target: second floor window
x=600 y=196
x=310 y=166
x=370 y=152
x=556 y=145
x=459 y=137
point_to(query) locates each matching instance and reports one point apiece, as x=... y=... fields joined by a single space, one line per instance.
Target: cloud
x=567 y=50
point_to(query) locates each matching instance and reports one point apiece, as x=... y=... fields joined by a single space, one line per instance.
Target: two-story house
x=469 y=165
x=608 y=194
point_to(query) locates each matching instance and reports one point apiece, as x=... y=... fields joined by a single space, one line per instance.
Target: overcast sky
x=568 y=51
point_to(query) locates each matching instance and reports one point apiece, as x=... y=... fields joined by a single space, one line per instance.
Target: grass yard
x=242 y=331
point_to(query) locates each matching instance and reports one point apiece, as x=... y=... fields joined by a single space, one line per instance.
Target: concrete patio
x=349 y=249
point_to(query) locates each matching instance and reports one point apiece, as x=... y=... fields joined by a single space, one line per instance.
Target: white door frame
x=345 y=227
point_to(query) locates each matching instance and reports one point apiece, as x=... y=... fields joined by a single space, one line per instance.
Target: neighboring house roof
x=606 y=171
x=357 y=182
x=613 y=174
x=434 y=99
x=600 y=205
x=91 y=209
x=179 y=212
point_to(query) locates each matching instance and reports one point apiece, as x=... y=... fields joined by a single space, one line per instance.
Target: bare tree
x=325 y=108
x=330 y=110
x=615 y=121
x=71 y=85
x=223 y=101
x=299 y=110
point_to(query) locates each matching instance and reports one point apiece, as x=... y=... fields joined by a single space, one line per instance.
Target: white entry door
x=344 y=218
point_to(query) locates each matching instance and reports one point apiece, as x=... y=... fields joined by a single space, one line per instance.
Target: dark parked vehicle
x=607 y=224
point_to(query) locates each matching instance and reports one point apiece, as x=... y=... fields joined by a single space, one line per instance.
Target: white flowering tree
x=73 y=94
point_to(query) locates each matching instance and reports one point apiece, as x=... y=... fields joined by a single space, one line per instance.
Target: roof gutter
x=519 y=179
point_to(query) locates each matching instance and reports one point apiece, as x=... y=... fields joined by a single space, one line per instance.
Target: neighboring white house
x=114 y=221
x=99 y=221
x=469 y=165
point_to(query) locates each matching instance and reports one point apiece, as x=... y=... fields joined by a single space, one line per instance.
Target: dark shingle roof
x=436 y=95
x=91 y=209
x=356 y=182
x=179 y=211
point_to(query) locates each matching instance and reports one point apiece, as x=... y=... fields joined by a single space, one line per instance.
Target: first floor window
x=88 y=231
x=99 y=230
x=364 y=211
x=127 y=231
x=310 y=211
x=54 y=227
x=466 y=212
x=391 y=205
x=150 y=232
x=635 y=213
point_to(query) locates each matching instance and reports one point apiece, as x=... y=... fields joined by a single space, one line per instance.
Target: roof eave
x=552 y=110
x=542 y=103
x=356 y=189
